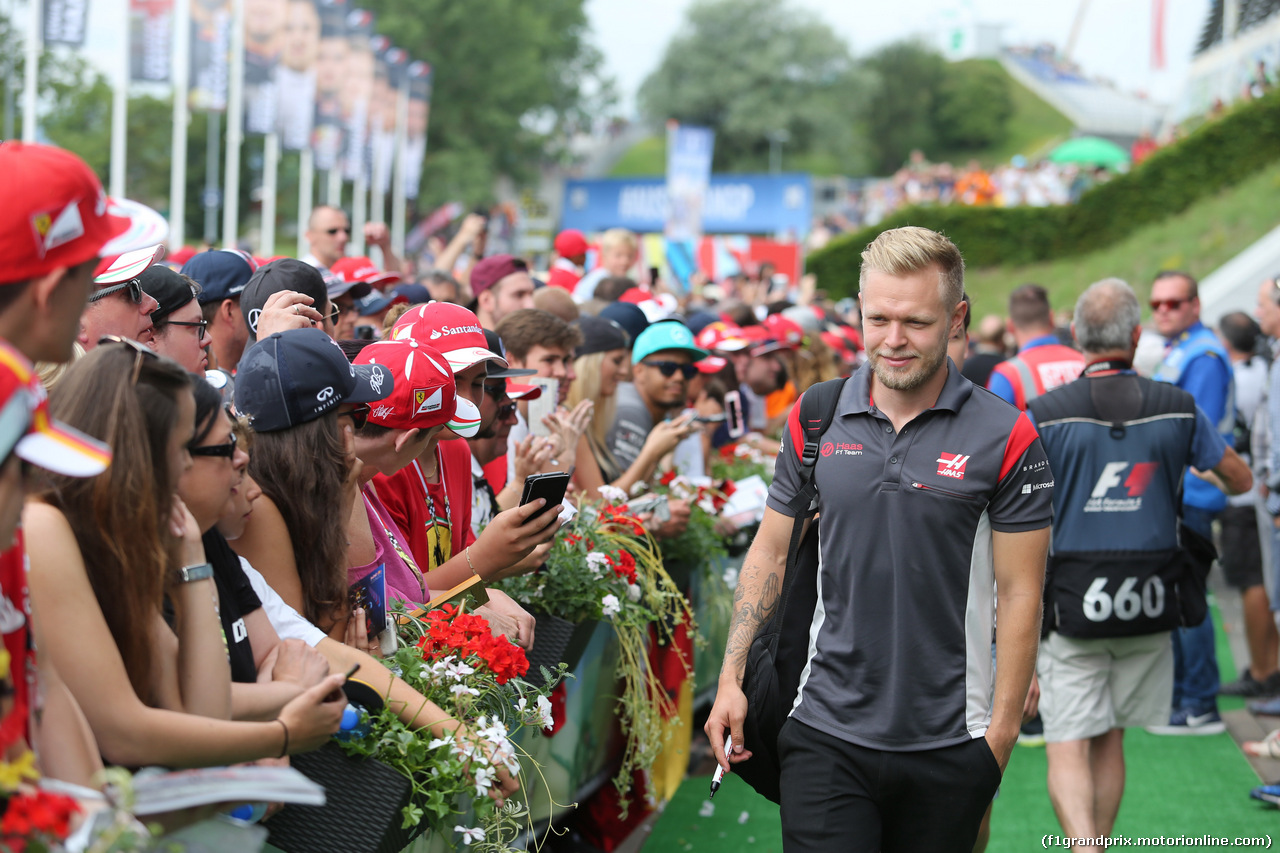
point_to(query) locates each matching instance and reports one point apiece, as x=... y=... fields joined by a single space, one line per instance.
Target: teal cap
x=666 y=335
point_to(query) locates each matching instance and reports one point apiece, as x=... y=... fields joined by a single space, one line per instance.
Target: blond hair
x=911 y=249
x=586 y=386
x=393 y=314
x=51 y=372
x=616 y=237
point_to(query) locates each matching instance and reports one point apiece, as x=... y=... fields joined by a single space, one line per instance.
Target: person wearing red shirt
x=566 y=271
x=433 y=493
x=1042 y=363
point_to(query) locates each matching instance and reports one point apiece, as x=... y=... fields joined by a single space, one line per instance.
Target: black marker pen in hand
x=719 y=774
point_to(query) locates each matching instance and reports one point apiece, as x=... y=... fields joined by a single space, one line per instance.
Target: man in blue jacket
x=1196 y=362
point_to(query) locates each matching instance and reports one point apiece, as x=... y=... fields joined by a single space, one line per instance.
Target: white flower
x=496 y=734
x=611 y=605
x=612 y=493
x=440 y=741
x=459 y=689
x=475 y=833
x=638 y=487
x=460 y=670
x=483 y=778
x=544 y=709
x=596 y=562
x=707 y=506
x=633 y=592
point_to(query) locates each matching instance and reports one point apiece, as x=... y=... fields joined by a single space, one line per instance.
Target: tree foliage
x=922 y=101
x=511 y=80
x=749 y=68
x=973 y=106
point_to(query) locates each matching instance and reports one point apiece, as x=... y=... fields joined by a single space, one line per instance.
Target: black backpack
x=778 y=652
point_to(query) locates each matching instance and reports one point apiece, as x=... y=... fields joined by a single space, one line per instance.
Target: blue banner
x=688 y=174
x=734 y=204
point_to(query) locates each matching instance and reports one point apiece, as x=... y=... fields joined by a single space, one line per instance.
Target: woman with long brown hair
x=107 y=551
x=304 y=402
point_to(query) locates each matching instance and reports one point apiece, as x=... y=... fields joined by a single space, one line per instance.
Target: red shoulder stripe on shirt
x=1020 y=438
x=793 y=426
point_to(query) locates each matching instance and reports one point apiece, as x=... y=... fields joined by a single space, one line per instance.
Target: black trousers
x=840 y=797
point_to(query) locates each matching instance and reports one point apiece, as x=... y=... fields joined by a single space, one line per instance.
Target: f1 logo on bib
x=952 y=465
x=1135 y=485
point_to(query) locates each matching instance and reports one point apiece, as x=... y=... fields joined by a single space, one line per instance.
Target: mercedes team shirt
x=900 y=644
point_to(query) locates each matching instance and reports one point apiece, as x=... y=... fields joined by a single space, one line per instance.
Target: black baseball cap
x=496 y=371
x=600 y=334
x=294 y=377
x=270 y=279
x=221 y=273
x=170 y=289
x=628 y=316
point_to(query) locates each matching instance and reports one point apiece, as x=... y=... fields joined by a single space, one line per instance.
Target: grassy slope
x=1034 y=127
x=1200 y=239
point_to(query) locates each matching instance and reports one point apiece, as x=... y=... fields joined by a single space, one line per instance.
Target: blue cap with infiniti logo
x=294 y=377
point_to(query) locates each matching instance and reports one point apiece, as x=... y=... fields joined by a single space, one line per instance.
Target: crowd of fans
x=228 y=443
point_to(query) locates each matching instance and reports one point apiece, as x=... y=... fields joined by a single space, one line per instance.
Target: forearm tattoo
x=754 y=604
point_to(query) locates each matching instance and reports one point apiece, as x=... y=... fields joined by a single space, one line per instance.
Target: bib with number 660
x=1115 y=593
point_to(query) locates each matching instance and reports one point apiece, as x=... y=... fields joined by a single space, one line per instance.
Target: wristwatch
x=198 y=572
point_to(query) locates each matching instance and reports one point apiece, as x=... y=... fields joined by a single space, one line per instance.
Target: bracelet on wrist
x=284 y=750
x=467 y=552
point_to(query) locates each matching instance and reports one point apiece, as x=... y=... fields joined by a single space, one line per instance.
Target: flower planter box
x=361 y=814
x=556 y=641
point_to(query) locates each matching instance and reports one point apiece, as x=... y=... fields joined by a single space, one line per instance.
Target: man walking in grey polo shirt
x=931 y=493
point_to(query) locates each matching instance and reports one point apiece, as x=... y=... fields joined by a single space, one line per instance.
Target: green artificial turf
x=1176 y=786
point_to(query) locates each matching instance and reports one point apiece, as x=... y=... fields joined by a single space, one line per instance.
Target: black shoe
x=1032 y=732
x=1251 y=688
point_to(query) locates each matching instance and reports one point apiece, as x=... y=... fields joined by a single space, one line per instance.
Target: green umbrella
x=1091 y=151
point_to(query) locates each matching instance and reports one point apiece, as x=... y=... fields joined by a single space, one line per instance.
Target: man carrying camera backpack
x=1120 y=574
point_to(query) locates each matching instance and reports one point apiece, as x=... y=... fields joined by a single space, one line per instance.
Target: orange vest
x=1041 y=368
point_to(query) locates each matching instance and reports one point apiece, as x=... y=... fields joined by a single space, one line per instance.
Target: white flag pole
x=235 y=128
x=270 y=177
x=306 y=192
x=178 y=149
x=397 y=175
x=359 y=212
x=377 y=197
x=120 y=115
x=334 y=197
x=30 y=74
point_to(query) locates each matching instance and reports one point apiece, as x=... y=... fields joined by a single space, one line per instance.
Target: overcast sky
x=1115 y=37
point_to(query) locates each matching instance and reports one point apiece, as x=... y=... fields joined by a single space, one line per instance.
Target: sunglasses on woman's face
x=135 y=291
x=669 y=368
x=359 y=415
x=225 y=451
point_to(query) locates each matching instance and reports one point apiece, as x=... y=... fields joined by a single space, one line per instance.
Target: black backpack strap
x=817 y=410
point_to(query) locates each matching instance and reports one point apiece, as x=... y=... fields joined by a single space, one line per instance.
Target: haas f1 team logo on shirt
x=1116 y=492
x=952 y=465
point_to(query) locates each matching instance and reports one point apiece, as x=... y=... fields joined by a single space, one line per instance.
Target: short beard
x=910 y=381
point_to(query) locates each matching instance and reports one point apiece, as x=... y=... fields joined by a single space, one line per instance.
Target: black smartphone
x=550 y=486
